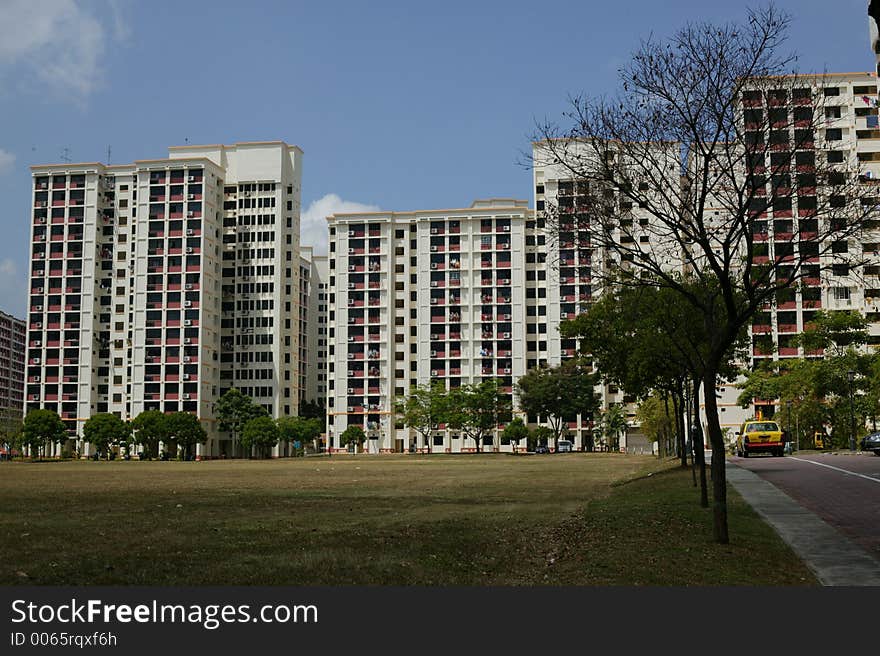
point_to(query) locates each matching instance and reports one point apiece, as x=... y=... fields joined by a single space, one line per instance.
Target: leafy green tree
x=186 y=431
x=10 y=429
x=424 y=410
x=475 y=409
x=298 y=429
x=543 y=435
x=105 y=430
x=151 y=428
x=353 y=434
x=515 y=432
x=260 y=434
x=233 y=410
x=656 y=422
x=613 y=424
x=314 y=410
x=41 y=427
x=555 y=394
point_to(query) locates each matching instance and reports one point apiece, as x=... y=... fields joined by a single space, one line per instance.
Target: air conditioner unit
x=351 y=408
x=433 y=354
x=38 y=308
x=186 y=358
x=41 y=219
x=36 y=379
x=563 y=315
x=187 y=304
x=434 y=283
x=351 y=390
x=351 y=267
x=191 y=178
x=351 y=285
x=187 y=340
x=351 y=372
x=190 y=196
x=186 y=397
x=351 y=233
x=507 y=317
x=506 y=335
x=35 y=397
x=188 y=286
x=351 y=338
x=39 y=324
x=433 y=265
x=434 y=301
x=39 y=290
x=507 y=228
x=38 y=342
x=350 y=302
x=434 y=231
x=434 y=249
x=187 y=322
x=507 y=371
x=36 y=361
x=190 y=214
x=351 y=251
x=435 y=336
x=433 y=372
x=189 y=250
x=190 y=232
x=351 y=356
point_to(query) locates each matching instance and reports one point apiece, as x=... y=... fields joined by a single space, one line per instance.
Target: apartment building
x=578 y=269
x=162 y=283
x=418 y=298
x=12 y=357
x=314 y=301
x=848 y=138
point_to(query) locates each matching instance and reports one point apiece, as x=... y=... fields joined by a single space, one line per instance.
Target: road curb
x=834 y=558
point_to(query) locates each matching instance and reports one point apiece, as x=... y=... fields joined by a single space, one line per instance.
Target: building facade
x=418 y=298
x=161 y=284
x=13 y=333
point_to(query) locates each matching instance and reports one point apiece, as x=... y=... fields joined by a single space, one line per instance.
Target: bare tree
x=715 y=160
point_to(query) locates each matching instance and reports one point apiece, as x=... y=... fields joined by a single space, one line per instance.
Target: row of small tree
x=555 y=395
x=177 y=433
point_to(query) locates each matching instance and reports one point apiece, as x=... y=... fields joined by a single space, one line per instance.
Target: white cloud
x=58 y=42
x=7 y=161
x=313 y=222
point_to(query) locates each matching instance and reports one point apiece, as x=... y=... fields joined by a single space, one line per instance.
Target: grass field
x=578 y=519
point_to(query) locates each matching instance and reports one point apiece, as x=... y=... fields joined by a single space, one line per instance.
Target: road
x=842 y=489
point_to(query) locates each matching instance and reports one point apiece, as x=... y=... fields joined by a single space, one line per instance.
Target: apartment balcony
x=811 y=304
x=761 y=329
x=788 y=351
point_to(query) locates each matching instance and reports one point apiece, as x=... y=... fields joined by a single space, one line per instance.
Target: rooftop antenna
x=65 y=155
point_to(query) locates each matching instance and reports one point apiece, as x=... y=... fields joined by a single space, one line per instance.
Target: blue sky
x=397 y=105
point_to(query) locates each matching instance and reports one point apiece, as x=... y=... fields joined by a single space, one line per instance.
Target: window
x=833 y=134
x=832 y=91
x=841 y=293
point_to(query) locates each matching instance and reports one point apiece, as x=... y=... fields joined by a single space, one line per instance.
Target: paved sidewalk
x=833 y=557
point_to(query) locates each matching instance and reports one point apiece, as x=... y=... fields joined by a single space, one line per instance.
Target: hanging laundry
x=872 y=121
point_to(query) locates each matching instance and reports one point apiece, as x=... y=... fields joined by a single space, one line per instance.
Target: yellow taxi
x=760 y=436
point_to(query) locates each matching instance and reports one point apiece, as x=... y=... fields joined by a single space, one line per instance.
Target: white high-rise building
x=418 y=298
x=163 y=283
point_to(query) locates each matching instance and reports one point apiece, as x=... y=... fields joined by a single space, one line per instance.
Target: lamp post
x=850 y=375
x=788 y=405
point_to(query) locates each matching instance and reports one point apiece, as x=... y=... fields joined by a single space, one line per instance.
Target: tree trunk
x=679 y=429
x=719 y=474
x=697 y=440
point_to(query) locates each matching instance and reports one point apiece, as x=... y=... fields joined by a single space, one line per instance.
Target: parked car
x=871 y=443
x=759 y=437
x=564 y=446
x=542 y=448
